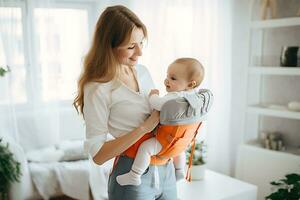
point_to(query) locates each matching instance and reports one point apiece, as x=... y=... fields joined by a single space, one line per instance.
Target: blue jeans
x=145 y=191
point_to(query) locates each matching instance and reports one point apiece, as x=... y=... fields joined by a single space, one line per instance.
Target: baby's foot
x=179 y=174
x=130 y=178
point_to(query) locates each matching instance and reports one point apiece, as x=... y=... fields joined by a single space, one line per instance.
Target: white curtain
x=7 y=51
x=200 y=29
x=43 y=47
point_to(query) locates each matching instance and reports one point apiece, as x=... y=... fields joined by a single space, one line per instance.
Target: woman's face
x=129 y=52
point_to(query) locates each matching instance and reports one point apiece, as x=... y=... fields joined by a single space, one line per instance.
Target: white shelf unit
x=263 y=110
x=276 y=23
x=260 y=166
x=275 y=70
x=261 y=71
x=256 y=164
x=291 y=152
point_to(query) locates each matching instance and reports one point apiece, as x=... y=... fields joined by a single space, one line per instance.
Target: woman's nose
x=138 y=50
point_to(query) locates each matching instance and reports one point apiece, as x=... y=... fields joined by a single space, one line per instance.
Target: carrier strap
x=188 y=173
x=114 y=165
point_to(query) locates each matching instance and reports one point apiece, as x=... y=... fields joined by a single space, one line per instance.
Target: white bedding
x=45 y=179
x=69 y=178
x=73 y=178
x=65 y=169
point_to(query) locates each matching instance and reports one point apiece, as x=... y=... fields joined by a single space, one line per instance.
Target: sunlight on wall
x=177 y=30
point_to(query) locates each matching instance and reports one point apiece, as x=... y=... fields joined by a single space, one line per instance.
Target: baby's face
x=176 y=78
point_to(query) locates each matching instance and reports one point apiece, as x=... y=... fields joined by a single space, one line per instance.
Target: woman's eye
x=131 y=47
x=173 y=78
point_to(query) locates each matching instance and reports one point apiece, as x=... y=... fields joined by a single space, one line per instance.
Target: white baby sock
x=179 y=174
x=130 y=178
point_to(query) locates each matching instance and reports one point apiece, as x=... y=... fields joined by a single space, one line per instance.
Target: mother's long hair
x=114 y=27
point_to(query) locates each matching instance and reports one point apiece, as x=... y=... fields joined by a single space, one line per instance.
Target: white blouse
x=113 y=108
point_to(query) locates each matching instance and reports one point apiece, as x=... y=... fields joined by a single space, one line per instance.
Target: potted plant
x=199 y=160
x=9 y=170
x=286 y=189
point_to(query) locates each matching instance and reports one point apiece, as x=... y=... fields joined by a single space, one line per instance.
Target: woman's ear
x=192 y=84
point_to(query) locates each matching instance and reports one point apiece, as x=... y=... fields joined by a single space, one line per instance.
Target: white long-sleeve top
x=113 y=108
x=156 y=102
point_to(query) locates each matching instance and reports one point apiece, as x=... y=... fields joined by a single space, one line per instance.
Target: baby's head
x=184 y=74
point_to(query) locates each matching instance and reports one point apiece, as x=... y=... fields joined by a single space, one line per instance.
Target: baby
x=183 y=75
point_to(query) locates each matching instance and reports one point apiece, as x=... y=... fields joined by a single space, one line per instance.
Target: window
x=45 y=47
x=12 y=51
x=60 y=49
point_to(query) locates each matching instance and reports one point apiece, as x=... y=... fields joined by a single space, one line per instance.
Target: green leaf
x=275 y=183
x=292 y=178
x=288 y=189
x=10 y=170
x=3 y=71
x=199 y=154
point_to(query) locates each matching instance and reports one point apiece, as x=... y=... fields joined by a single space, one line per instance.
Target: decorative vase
x=198 y=172
x=288 y=56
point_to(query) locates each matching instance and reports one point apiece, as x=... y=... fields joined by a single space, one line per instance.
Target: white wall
x=240 y=32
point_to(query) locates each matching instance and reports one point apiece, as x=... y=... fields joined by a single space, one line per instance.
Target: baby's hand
x=154 y=91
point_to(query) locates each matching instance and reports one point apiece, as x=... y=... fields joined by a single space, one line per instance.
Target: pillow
x=48 y=154
x=70 y=150
x=73 y=150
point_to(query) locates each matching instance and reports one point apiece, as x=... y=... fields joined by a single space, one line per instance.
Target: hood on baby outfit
x=190 y=108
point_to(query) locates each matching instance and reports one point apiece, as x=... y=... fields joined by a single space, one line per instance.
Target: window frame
x=33 y=71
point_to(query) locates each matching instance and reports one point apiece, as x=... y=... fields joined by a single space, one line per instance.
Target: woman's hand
x=151 y=122
x=115 y=147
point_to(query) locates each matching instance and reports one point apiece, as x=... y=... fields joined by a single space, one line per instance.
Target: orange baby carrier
x=174 y=140
x=180 y=120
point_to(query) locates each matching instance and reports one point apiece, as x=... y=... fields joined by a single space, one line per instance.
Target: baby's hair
x=194 y=69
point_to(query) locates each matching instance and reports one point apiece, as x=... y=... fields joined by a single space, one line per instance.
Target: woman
x=112 y=96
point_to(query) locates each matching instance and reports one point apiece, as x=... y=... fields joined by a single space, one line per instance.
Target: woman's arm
x=113 y=148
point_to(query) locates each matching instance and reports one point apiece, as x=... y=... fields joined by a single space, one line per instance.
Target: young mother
x=113 y=98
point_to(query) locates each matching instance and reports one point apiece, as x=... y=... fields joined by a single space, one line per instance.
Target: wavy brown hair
x=113 y=28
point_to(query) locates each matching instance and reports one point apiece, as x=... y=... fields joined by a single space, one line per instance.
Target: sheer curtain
x=44 y=48
x=9 y=49
x=200 y=29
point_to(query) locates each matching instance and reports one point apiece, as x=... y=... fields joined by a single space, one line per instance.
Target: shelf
x=260 y=166
x=266 y=82
x=263 y=110
x=275 y=70
x=290 y=151
x=276 y=23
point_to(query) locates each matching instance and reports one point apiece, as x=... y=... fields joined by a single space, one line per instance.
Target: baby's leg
x=142 y=160
x=179 y=164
